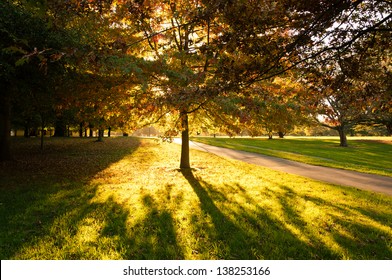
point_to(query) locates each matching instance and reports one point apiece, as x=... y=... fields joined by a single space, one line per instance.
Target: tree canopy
x=131 y=63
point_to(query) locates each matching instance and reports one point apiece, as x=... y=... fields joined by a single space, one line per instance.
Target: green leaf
x=13 y=50
x=21 y=61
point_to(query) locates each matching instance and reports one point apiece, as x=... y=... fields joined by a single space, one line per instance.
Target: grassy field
x=126 y=199
x=363 y=154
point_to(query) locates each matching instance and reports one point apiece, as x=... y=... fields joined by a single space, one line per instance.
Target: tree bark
x=91 y=130
x=42 y=133
x=100 y=135
x=26 y=131
x=185 y=161
x=42 y=139
x=5 y=127
x=60 y=129
x=388 y=125
x=342 y=136
x=81 y=130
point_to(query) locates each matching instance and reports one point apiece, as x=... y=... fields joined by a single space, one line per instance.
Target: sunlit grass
x=368 y=155
x=139 y=205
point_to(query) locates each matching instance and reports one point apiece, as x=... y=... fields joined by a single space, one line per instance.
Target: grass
x=126 y=199
x=363 y=155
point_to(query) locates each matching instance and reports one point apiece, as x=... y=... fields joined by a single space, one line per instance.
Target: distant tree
x=356 y=88
x=283 y=109
x=29 y=51
x=375 y=74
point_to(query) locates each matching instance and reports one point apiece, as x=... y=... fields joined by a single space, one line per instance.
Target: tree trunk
x=100 y=135
x=109 y=131
x=81 y=130
x=42 y=133
x=91 y=130
x=342 y=136
x=33 y=132
x=184 y=162
x=281 y=134
x=42 y=139
x=388 y=125
x=27 y=131
x=60 y=129
x=5 y=127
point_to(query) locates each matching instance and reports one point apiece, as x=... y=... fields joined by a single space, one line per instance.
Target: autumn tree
x=336 y=107
x=373 y=70
x=275 y=107
x=354 y=88
x=179 y=59
x=206 y=52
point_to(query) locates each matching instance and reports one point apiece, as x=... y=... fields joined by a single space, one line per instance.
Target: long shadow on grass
x=153 y=236
x=45 y=198
x=241 y=233
x=242 y=229
x=357 y=232
x=361 y=232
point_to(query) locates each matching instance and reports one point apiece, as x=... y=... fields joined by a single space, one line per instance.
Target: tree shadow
x=242 y=233
x=45 y=196
x=70 y=220
x=353 y=232
x=153 y=237
x=250 y=231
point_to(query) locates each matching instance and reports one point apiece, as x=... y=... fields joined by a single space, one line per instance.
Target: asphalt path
x=370 y=182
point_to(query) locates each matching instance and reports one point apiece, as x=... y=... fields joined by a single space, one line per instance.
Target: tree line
x=262 y=65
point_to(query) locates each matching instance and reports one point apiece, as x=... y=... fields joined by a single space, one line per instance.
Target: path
x=342 y=177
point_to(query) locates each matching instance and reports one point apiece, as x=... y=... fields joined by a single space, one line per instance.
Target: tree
x=46 y=46
x=281 y=108
x=356 y=88
x=207 y=51
x=376 y=77
x=27 y=47
x=177 y=59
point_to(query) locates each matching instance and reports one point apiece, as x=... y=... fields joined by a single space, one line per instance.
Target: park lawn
x=362 y=155
x=126 y=199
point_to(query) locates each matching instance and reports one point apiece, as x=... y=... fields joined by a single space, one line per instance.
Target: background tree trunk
x=100 y=135
x=91 y=130
x=389 y=128
x=42 y=133
x=60 y=129
x=185 y=162
x=81 y=130
x=5 y=127
x=26 y=131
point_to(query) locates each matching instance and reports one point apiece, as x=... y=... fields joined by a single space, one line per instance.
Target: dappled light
x=140 y=206
x=106 y=70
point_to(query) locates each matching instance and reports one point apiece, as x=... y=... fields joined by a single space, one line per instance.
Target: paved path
x=342 y=177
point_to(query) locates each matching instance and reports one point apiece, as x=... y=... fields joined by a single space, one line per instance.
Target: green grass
x=126 y=199
x=362 y=155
